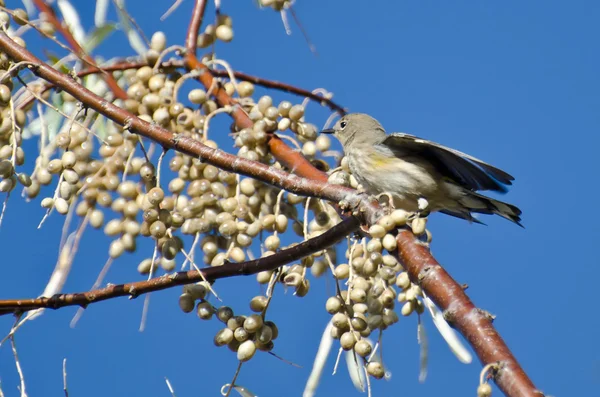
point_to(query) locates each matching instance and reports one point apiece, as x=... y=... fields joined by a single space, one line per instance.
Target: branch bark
x=42 y=6
x=308 y=187
x=176 y=64
x=308 y=247
x=473 y=323
x=422 y=267
x=191 y=39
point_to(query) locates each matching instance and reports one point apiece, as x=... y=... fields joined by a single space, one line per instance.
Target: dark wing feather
x=468 y=171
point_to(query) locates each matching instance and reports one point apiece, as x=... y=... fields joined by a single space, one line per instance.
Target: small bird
x=418 y=174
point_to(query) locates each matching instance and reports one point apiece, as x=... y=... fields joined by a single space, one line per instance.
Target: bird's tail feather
x=480 y=204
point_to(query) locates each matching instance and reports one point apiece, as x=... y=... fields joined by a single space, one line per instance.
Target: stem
x=473 y=323
x=191 y=39
x=308 y=247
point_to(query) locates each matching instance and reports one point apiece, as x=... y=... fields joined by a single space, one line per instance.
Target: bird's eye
x=343 y=125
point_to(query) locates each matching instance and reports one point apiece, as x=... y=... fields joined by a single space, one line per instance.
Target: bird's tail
x=475 y=202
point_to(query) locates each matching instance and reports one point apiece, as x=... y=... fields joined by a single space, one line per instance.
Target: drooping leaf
x=135 y=40
x=97 y=36
x=101 y=11
x=72 y=20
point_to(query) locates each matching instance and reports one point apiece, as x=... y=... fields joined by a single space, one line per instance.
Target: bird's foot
x=352 y=202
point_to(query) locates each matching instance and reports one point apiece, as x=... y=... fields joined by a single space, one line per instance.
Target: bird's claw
x=353 y=202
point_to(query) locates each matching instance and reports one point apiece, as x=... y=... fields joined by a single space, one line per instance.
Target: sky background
x=513 y=83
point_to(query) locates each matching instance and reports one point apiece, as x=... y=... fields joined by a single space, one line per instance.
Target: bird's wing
x=468 y=171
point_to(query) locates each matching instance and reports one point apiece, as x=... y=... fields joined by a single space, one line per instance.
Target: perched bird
x=420 y=175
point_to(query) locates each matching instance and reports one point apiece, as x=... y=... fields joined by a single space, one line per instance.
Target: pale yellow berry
x=484 y=390
x=246 y=351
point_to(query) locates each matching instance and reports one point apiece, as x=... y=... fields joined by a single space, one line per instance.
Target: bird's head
x=356 y=127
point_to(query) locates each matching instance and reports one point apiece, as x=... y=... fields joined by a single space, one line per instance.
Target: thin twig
x=191 y=39
x=134 y=289
x=18 y=364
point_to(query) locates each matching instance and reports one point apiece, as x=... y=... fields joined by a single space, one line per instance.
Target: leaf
x=72 y=20
x=457 y=347
x=54 y=60
x=319 y=363
x=29 y=7
x=135 y=40
x=356 y=370
x=101 y=11
x=97 y=36
x=423 y=351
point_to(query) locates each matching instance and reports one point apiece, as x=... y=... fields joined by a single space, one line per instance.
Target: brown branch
x=308 y=247
x=473 y=323
x=223 y=99
x=282 y=152
x=422 y=267
x=271 y=175
x=276 y=85
x=53 y=19
x=283 y=87
x=175 y=64
x=424 y=270
x=115 y=67
x=191 y=39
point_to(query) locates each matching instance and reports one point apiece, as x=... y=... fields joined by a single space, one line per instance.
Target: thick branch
x=422 y=267
x=53 y=19
x=271 y=175
x=290 y=158
x=473 y=323
x=308 y=247
x=191 y=39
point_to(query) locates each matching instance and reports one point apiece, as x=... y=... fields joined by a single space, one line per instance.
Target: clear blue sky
x=513 y=83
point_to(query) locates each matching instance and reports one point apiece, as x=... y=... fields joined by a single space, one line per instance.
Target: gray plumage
x=411 y=168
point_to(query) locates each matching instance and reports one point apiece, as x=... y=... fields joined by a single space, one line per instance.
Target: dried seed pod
x=342 y=271
x=224 y=313
x=240 y=334
x=205 y=310
x=223 y=337
x=296 y=112
x=402 y=280
x=246 y=351
x=253 y=323
x=484 y=390
x=408 y=308
x=245 y=89
x=61 y=205
x=186 y=302
x=347 y=340
x=418 y=226
x=224 y=33
x=333 y=305
x=375 y=369
x=258 y=303
x=363 y=348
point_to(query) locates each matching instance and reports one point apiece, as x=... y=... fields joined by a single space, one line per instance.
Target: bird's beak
x=328 y=131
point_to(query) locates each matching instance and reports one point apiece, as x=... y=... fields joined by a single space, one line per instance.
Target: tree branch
x=422 y=267
x=53 y=19
x=308 y=187
x=283 y=87
x=308 y=247
x=191 y=39
x=176 y=64
x=473 y=323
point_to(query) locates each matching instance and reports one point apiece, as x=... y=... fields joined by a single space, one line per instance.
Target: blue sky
x=513 y=83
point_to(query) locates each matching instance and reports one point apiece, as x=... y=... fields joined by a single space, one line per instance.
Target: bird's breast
x=381 y=172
